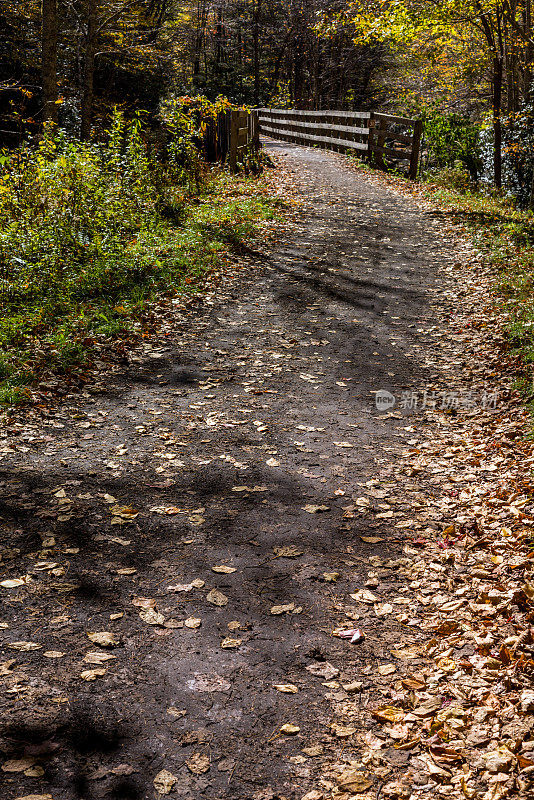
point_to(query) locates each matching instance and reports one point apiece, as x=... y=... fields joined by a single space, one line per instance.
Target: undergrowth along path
x=189 y=532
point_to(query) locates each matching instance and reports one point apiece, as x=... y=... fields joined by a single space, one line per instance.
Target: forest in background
x=106 y=199
x=465 y=66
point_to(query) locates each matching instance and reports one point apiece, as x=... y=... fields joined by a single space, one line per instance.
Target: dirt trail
x=225 y=436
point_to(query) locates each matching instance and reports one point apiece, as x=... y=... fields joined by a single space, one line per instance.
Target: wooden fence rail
x=383 y=139
x=232 y=135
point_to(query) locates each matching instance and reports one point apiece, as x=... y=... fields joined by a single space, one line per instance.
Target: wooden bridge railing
x=230 y=135
x=382 y=138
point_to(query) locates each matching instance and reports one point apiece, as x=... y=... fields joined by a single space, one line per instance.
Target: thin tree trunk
x=497 y=119
x=89 y=68
x=256 y=51
x=50 y=32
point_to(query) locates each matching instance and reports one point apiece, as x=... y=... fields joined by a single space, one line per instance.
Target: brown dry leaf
x=13 y=583
x=178 y=713
x=92 y=674
x=224 y=569
x=289 y=551
x=364 y=596
x=103 y=638
x=342 y=731
x=286 y=688
x=372 y=539
x=387 y=669
x=24 y=647
x=388 y=714
x=98 y=657
x=217 y=598
x=285 y=609
x=34 y=772
x=124 y=512
x=331 y=577
x=383 y=609
x=164 y=782
x=6 y=667
x=312 y=509
x=168 y=511
x=35 y=797
x=234 y=625
x=289 y=730
x=193 y=622
x=144 y=602
x=17 y=764
x=323 y=669
x=230 y=644
x=198 y=763
x=313 y=750
x=152 y=617
x=53 y=654
x=352 y=780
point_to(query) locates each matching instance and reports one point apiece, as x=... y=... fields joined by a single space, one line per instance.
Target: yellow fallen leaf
x=285 y=609
x=164 y=782
x=289 y=730
x=92 y=674
x=103 y=638
x=217 y=598
x=388 y=714
x=230 y=644
x=342 y=731
x=387 y=669
x=286 y=688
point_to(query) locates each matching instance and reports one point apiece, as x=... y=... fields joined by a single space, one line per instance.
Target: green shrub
x=89 y=232
x=449 y=139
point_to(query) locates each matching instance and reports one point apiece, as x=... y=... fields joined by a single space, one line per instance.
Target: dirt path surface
x=242 y=440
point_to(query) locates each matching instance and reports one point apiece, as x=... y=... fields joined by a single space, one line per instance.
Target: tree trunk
x=89 y=68
x=256 y=51
x=50 y=31
x=497 y=119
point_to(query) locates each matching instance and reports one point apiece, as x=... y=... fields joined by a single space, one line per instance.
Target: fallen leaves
x=230 y=644
x=217 y=598
x=323 y=669
x=289 y=729
x=151 y=617
x=164 y=782
x=286 y=688
x=388 y=714
x=104 y=638
x=13 y=583
x=282 y=609
x=313 y=509
x=198 y=763
x=18 y=765
x=97 y=657
x=288 y=551
x=92 y=674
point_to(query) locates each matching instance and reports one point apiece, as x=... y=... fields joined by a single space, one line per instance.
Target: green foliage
x=518 y=154
x=86 y=239
x=451 y=141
